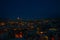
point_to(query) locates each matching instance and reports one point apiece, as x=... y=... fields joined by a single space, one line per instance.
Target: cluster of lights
x=29 y=22
x=20 y=35
x=30 y=26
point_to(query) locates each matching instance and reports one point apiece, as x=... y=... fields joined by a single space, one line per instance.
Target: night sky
x=30 y=8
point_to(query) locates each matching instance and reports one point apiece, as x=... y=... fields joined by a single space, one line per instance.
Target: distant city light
x=41 y=32
x=54 y=29
x=46 y=37
x=2 y=24
x=29 y=29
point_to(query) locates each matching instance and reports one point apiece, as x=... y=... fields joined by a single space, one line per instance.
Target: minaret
x=18 y=18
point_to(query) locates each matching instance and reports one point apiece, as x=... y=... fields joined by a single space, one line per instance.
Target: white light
x=18 y=18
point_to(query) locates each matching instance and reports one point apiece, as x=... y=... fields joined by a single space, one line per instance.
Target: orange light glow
x=20 y=36
x=46 y=37
x=17 y=36
x=41 y=32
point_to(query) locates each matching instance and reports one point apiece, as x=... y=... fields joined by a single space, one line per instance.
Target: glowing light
x=46 y=37
x=20 y=35
x=54 y=29
x=2 y=24
x=16 y=35
x=18 y=18
x=41 y=32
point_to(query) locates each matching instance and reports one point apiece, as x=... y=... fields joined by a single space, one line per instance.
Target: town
x=37 y=29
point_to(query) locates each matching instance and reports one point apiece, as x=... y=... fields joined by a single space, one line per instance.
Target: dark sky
x=29 y=8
